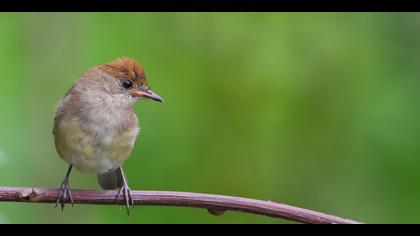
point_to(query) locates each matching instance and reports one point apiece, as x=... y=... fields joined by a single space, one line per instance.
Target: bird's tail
x=111 y=180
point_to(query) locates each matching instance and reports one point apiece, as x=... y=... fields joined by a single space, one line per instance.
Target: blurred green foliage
x=318 y=110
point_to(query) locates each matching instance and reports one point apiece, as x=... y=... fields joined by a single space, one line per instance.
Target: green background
x=317 y=110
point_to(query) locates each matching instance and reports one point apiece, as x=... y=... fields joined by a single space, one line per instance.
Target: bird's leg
x=125 y=192
x=65 y=191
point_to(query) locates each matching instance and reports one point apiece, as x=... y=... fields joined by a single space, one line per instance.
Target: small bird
x=95 y=127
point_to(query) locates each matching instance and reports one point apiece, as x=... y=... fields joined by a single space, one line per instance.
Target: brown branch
x=215 y=204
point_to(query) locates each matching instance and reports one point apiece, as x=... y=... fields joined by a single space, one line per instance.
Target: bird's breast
x=97 y=140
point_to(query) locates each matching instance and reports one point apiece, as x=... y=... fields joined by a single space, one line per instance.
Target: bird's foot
x=64 y=194
x=125 y=192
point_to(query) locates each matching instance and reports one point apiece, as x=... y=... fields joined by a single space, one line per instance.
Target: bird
x=95 y=127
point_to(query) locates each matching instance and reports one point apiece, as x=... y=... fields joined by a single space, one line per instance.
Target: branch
x=215 y=204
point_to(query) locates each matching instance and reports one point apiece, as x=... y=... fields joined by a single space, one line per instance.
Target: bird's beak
x=147 y=94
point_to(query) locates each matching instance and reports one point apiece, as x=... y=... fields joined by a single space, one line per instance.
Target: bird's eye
x=127 y=84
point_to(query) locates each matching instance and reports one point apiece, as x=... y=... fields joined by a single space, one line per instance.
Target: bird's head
x=129 y=79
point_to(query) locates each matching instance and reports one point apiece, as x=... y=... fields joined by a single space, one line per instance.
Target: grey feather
x=111 y=180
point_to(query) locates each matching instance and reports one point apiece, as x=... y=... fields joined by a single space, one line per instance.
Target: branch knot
x=28 y=194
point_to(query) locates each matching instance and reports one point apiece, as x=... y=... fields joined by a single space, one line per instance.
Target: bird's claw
x=125 y=192
x=64 y=194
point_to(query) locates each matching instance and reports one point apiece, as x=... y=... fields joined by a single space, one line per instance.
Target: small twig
x=215 y=204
